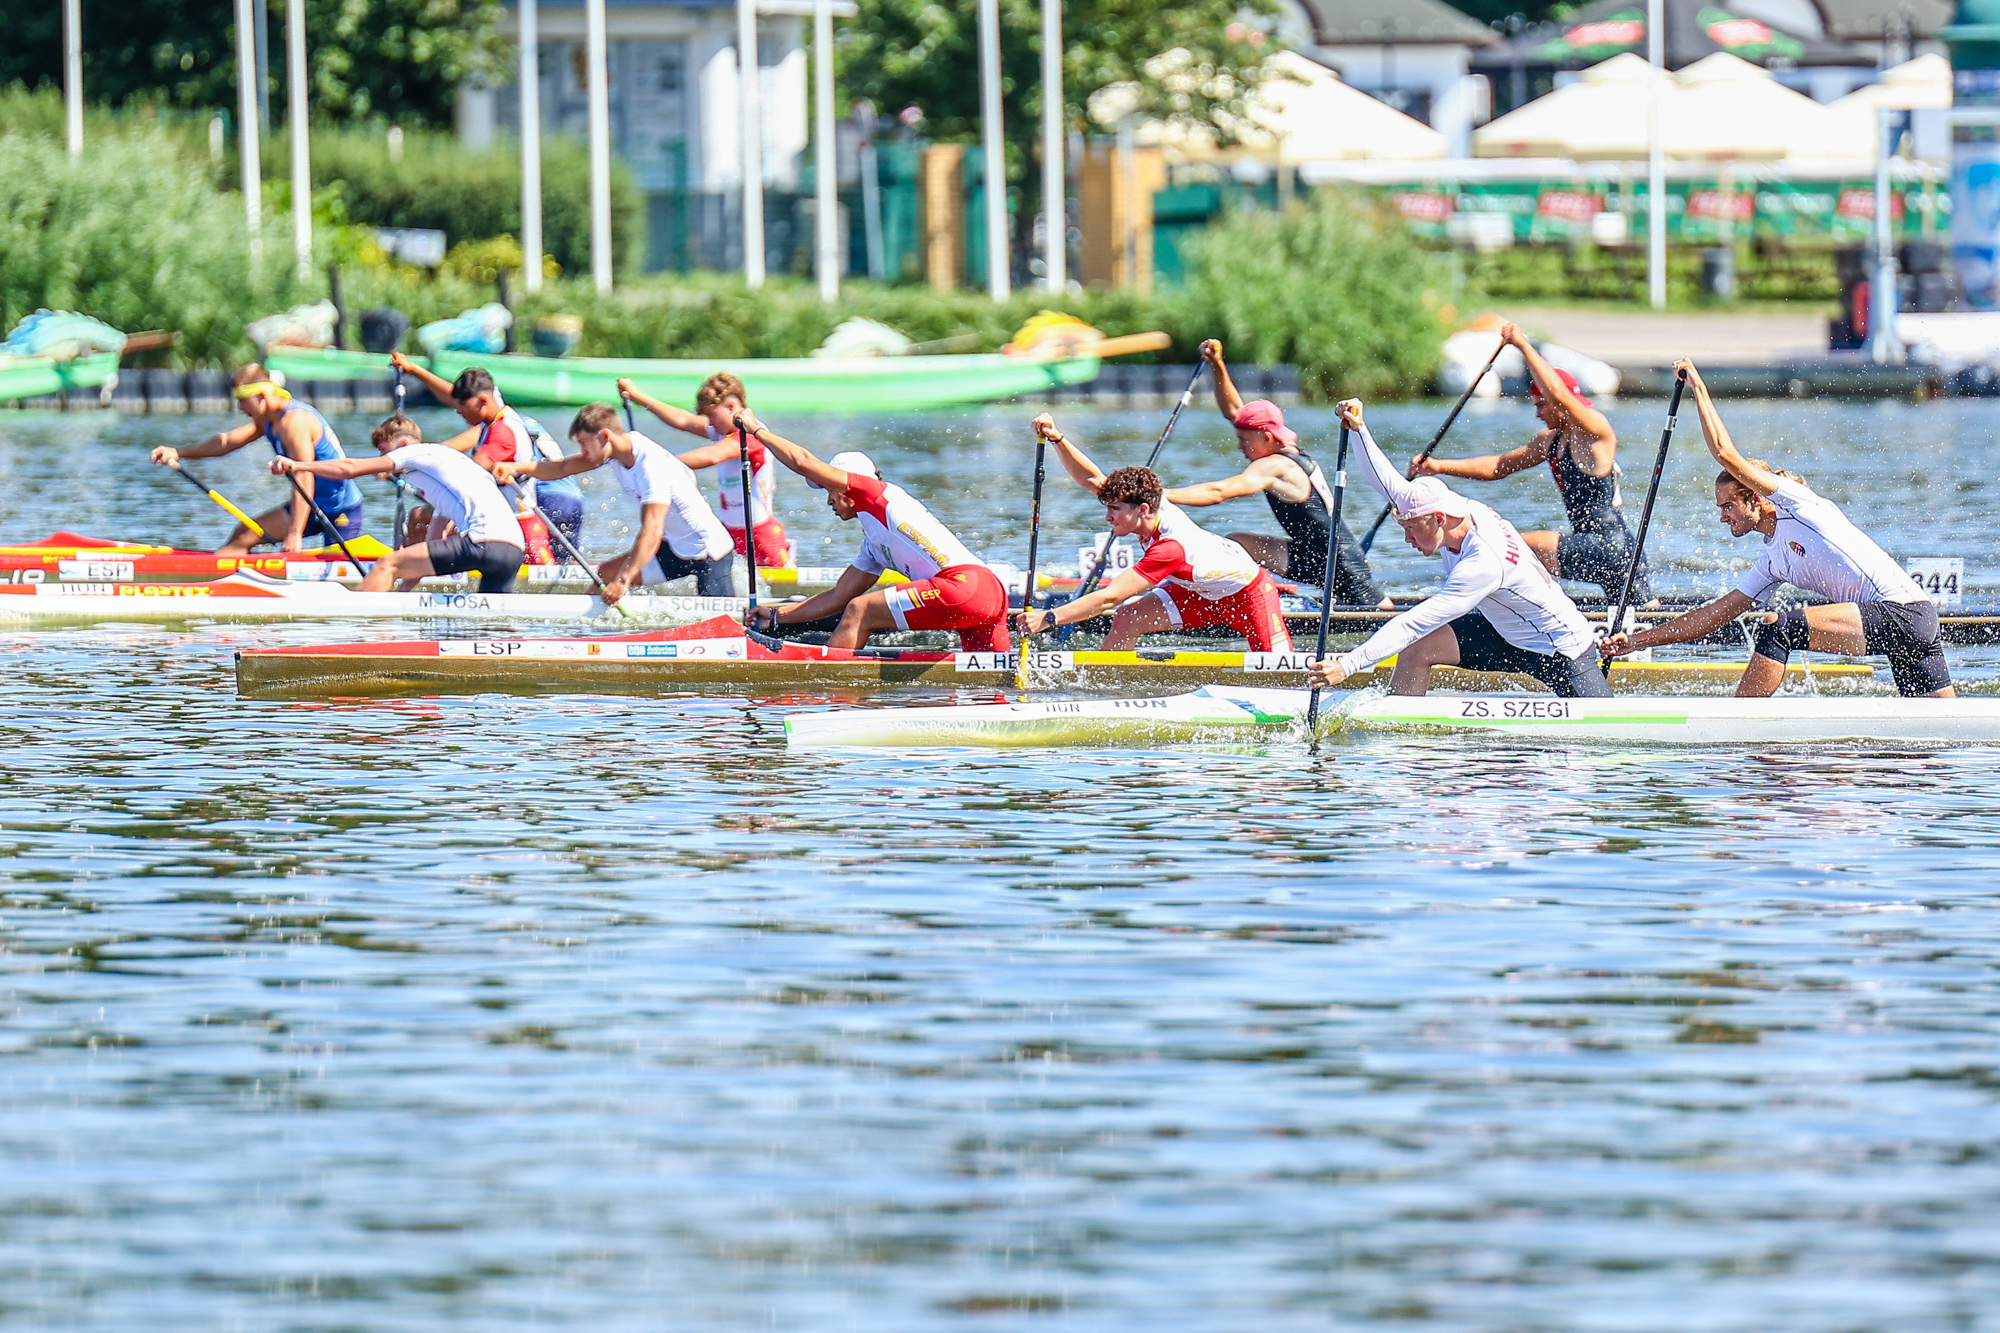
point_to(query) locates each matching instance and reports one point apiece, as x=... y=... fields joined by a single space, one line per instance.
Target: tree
x=1187 y=59
x=397 y=59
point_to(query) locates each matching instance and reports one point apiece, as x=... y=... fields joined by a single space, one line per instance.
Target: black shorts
x=498 y=564
x=1353 y=583
x=1907 y=634
x=711 y=577
x=1600 y=558
x=1480 y=648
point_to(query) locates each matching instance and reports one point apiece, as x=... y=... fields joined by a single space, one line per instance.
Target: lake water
x=606 y=1013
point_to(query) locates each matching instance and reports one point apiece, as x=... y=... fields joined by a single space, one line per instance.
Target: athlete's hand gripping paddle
x=1028 y=587
x=569 y=547
x=1104 y=555
x=1332 y=567
x=1617 y=623
x=1368 y=538
x=216 y=496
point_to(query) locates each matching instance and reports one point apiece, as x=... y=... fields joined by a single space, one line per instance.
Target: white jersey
x=1815 y=547
x=1186 y=554
x=1493 y=572
x=898 y=533
x=459 y=489
x=657 y=477
x=729 y=480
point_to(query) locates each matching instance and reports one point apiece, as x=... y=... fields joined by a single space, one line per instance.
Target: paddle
x=1646 y=514
x=1332 y=566
x=1104 y=552
x=1034 y=543
x=569 y=547
x=325 y=523
x=216 y=496
x=1368 y=540
x=749 y=540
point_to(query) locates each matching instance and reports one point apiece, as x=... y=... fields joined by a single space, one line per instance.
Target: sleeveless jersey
x=1591 y=502
x=1306 y=521
x=336 y=497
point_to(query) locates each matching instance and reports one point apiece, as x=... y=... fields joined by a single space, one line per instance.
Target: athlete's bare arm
x=1695 y=624
x=1075 y=462
x=622 y=571
x=1105 y=600
x=215 y=446
x=1488 y=467
x=1746 y=470
x=339 y=469
x=677 y=417
x=1259 y=477
x=437 y=384
x=851 y=584
x=465 y=442
x=546 y=469
x=1226 y=397
x=717 y=451
x=1581 y=415
x=796 y=456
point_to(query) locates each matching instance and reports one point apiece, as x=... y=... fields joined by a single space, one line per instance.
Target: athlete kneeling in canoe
x=1194 y=578
x=950 y=587
x=716 y=405
x=1292 y=483
x=484 y=536
x=295 y=430
x=1499 y=609
x=678 y=534
x=1808 y=543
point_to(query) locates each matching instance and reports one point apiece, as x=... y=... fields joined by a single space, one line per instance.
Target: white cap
x=1428 y=495
x=851 y=461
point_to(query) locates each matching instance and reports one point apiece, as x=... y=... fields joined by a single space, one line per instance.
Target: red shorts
x=967 y=598
x=773 y=550
x=1254 y=613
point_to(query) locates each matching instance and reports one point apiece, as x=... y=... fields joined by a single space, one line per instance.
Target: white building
x=1413 y=54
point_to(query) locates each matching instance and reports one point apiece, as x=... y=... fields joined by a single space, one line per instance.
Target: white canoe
x=1223 y=714
x=252 y=596
x=1213 y=713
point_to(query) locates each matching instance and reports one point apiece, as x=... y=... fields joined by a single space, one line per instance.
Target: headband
x=262 y=386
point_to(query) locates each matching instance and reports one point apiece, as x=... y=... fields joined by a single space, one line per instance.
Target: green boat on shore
x=42 y=376
x=795 y=384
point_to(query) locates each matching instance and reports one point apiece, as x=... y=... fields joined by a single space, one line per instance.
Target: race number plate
x=1122 y=558
x=1941 y=577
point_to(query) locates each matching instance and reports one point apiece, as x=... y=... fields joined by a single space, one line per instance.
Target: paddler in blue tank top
x=1581 y=449
x=296 y=431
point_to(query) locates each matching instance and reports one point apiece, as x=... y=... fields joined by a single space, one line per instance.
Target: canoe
x=1228 y=714
x=247 y=595
x=42 y=376
x=716 y=652
x=776 y=384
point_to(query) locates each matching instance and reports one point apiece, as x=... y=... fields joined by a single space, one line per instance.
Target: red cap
x=1263 y=414
x=1569 y=382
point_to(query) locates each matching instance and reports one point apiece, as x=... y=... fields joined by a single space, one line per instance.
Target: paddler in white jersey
x=1186 y=579
x=678 y=533
x=473 y=528
x=1499 y=609
x=1875 y=606
x=950 y=588
x=716 y=405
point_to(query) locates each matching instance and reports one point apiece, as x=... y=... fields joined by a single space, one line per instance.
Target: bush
x=1337 y=287
x=467 y=196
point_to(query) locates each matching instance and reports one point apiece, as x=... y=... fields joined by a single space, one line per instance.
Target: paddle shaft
x=1368 y=540
x=749 y=527
x=1104 y=552
x=1332 y=567
x=1034 y=546
x=1646 y=514
x=324 y=521
x=216 y=496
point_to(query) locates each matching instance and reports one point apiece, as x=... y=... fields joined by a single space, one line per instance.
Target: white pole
x=1656 y=161
x=73 y=74
x=1884 y=348
x=600 y=145
x=1055 y=180
x=295 y=76
x=246 y=127
x=996 y=151
x=825 y=187
x=748 y=90
x=531 y=147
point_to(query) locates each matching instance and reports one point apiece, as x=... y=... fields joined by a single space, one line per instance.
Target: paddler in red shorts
x=950 y=588
x=1195 y=578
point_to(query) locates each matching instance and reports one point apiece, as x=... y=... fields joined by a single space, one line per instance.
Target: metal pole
x=1884 y=348
x=600 y=144
x=246 y=127
x=748 y=90
x=295 y=76
x=530 y=77
x=1055 y=179
x=260 y=23
x=825 y=187
x=871 y=210
x=73 y=74
x=1656 y=160
x=997 y=285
